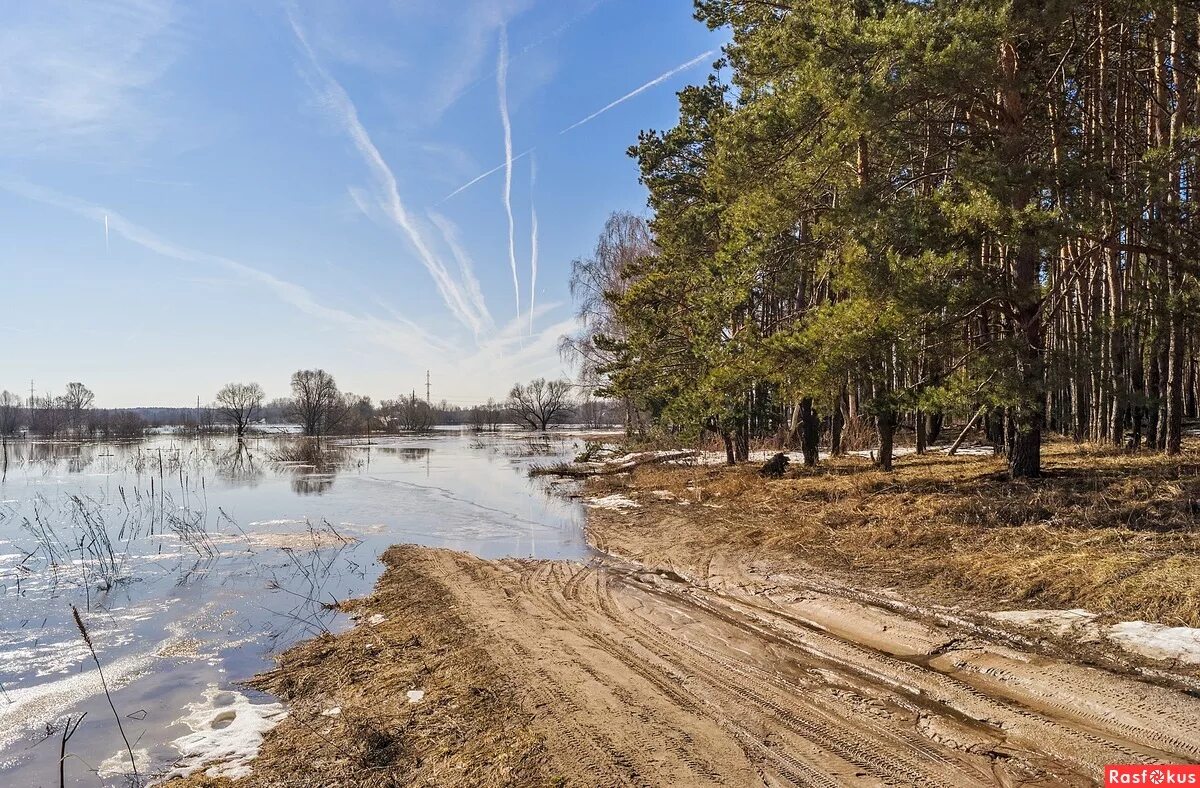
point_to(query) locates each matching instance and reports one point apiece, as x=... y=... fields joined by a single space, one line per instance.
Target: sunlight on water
x=194 y=560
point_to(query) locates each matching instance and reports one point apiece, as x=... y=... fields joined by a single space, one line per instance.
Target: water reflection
x=194 y=558
x=313 y=464
x=238 y=465
x=406 y=453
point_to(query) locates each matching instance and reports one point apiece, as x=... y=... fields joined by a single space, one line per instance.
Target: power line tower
x=427 y=399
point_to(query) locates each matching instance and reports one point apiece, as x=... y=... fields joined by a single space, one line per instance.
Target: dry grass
x=1104 y=530
x=468 y=730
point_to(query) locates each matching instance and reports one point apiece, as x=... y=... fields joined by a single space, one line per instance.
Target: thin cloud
x=339 y=104
x=78 y=75
x=533 y=242
x=502 y=93
x=656 y=81
x=450 y=235
x=397 y=334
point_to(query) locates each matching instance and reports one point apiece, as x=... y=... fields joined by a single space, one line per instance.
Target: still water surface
x=193 y=560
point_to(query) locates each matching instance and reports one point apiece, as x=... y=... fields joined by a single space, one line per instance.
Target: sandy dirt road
x=637 y=678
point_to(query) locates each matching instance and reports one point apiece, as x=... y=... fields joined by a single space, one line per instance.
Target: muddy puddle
x=192 y=561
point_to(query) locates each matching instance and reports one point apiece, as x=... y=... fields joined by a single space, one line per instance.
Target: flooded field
x=191 y=561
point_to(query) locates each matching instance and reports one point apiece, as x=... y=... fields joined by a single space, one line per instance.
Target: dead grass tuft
x=1110 y=531
x=469 y=729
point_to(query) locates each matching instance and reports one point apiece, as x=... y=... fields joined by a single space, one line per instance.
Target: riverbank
x=753 y=633
x=1115 y=533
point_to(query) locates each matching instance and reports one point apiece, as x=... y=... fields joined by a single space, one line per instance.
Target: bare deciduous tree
x=76 y=400
x=409 y=414
x=316 y=402
x=597 y=282
x=540 y=402
x=10 y=410
x=238 y=402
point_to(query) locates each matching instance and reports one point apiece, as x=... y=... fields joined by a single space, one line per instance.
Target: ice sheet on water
x=31 y=708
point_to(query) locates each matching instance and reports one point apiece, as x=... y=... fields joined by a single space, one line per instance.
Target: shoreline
x=667 y=662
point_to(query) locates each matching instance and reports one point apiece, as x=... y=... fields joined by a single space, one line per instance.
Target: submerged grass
x=1113 y=532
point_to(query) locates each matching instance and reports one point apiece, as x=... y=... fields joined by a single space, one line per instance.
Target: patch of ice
x=304 y=540
x=227 y=730
x=615 y=501
x=1158 y=641
x=1060 y=621
x=416 y=696
x=33 y=707
x=117 y=764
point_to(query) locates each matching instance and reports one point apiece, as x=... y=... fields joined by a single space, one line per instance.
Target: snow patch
x=1158 y=641
x=615 y=501
x=227 y=730
x=377 y=618
x=1059 y=621
x=416 y=696
x=117 y=764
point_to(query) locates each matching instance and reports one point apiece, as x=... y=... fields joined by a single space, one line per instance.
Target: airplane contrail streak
x=533 y=242
x=478 y=178
x=657 y=80
x=502 y=90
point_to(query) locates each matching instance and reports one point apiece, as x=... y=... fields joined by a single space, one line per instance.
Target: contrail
x=533 y=241
x=591 y=117
x=478 y=178
x=106 y=233
x=398 y=334
x=642 y=89
x=338 y=101
x=502 y=90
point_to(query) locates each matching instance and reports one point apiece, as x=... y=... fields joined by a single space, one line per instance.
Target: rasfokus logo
x=1141 y=774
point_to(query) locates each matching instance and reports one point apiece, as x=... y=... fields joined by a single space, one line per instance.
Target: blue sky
x=281 y=186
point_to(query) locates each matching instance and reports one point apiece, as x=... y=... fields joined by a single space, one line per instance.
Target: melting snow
x=117 y=764
x=1060 y=621
x=612 y=502
x=1158 y=641
x=416 y=696
x=227 y=730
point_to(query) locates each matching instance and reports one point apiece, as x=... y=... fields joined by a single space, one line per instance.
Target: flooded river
x=192 y=561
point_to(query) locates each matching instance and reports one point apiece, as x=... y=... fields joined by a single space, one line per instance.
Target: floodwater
x=192 y=561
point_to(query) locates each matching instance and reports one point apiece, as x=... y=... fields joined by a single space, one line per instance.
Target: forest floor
x=834 y=627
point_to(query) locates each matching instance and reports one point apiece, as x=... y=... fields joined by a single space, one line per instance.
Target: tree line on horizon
x=316 y=405
x=877 y=213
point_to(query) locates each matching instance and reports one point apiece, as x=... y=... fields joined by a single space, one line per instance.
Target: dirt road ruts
x=637 y=678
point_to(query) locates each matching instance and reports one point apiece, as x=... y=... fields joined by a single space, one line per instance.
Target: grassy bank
x=1108 y=531
x=350 y=718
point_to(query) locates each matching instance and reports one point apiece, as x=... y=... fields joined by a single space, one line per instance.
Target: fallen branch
x=584 y=470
